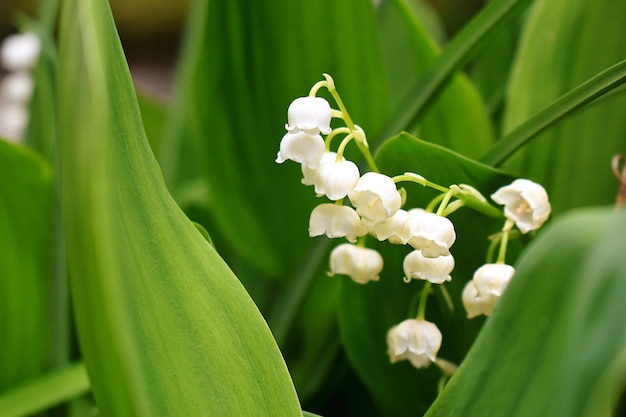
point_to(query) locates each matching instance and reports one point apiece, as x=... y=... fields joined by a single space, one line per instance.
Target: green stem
x=342 y=147
x=444 y=203
x=421 y=310
x=334 y=133
x=418 y=179
x=365 y=150
x=504 y=241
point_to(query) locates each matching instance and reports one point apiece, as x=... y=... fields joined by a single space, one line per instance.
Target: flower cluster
x=18 y=56
x=376 y=209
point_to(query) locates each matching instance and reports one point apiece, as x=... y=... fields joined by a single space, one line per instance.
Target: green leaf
x=458 y=119
x=239 y=73
x=557 y=336
x=368 y=311
x=455 y=55
x=25 y=232
x=165 y=328
x=564 y=44
x=44 y=392
x=588 y=92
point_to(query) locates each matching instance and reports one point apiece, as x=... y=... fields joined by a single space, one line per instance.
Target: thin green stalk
x=457 y=53
x=589 y=91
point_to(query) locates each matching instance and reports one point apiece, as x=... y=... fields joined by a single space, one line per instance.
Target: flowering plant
x=410 y=233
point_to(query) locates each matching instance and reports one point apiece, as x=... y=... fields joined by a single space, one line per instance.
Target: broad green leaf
x=475 y=35
x=589 y=92
x=556 y=343
x=44 y=392
x=368 y=311
x=239 y=73
x=564 y=44
x=458 y=119
x=165 y=328
x=25 y=233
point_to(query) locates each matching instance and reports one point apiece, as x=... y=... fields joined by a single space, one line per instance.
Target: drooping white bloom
x=525 y=202
x=360 y=264
x=433 y=235
x=492 y=279
x=475 y=305
x=311 y=114
x=336 y=179
x=392 y=229
x=485 y=289
x=20 y=51
x=375 y=197
x=415 y=340
x=308 y=173
x=13 y=121
x=436 y=270
x=17 y=87
x=336 y=221
x=302 y=148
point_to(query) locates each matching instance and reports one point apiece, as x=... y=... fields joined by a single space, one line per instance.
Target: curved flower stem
x=430 y=208
x=444 y=203
x=317 y=86
x=446 y=297
x=504 y=241
x=418 y=179
x=342 y=146
x=334 y=133
x=365 y=150
x=421 y=309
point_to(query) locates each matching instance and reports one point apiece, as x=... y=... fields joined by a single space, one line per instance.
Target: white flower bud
x=302 y=148
x=525 y=202
x=392 y=229
x=336 y=221
x=484 y=290
x=436 y=270
x=475 y=305
x=311 y=114
x=13 y=121
x=433 y=235
x=360 y=264
x=415 y=340
x=17 y=87
x=492 y=279
x=335 y=179
x=375 y=197
x=20 y=51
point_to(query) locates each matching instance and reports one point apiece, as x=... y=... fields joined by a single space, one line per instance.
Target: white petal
x=17 y=87
x=492 y=279
x=336 y=221
x=336 y=179
x=311 y=114
x=475 y=305
x=302 y=148
x=375 y=197
x=433 y=235
x=360 y=264
x=525 y=202
x=392 y=229
x=415 y=340
x=436 y=270
x=20 y=51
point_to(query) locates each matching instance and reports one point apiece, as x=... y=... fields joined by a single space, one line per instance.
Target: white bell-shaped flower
x=375 y=197
x=436 y=270
x=308 y=173
x=311 y=114
x=433 y=235
x=415 y=340
x=525 y=202
x=17 y=87
x=302 y=148
x=392 y=229
x=360 y=264
x=13 y=121
x=475 y=305
x=336 y=179
x=485 y=289
x=492 y=279
x=20 y=51
x=336 y=221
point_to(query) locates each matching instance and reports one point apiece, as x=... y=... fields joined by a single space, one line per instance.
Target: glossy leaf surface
x=165 y=327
